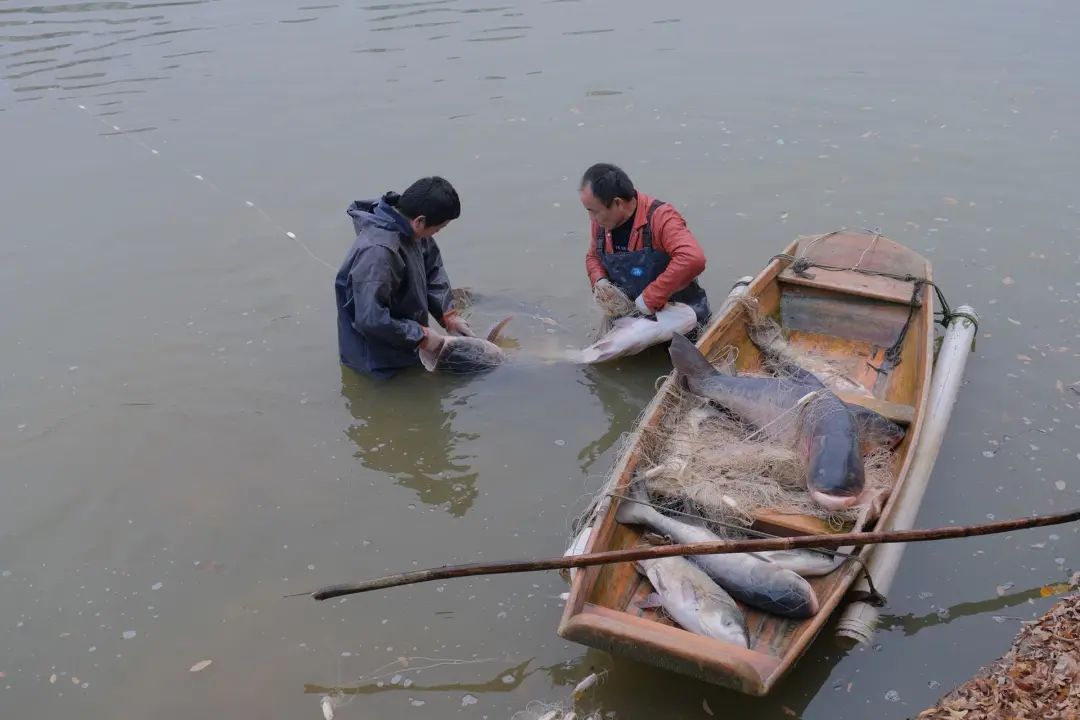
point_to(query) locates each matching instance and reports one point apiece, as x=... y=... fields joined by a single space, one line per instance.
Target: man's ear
x=418 y=223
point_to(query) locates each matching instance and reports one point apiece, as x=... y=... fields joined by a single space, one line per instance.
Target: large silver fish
x=824 y=435
x=694 y=601
x=631 y=335
x=756 y=582
x=464 y=355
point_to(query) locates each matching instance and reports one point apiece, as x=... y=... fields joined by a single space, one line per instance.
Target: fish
x=694 y=601
x=825 y=434
x=875 y=430
x=464 y=355
x=631 y=335
x=769 y=340
x=764 y=585
x=806 y=563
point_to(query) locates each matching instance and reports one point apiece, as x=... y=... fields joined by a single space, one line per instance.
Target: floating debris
x=128 y=634
x=201 y=665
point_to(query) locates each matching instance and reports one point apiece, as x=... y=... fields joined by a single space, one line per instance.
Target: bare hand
x=456 y=325
x=431 y=343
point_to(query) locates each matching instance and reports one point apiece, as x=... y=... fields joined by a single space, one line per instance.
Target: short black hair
x=432 y=197
x=608 y=182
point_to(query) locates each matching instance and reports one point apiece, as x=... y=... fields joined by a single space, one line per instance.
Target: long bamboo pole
x=703 y=548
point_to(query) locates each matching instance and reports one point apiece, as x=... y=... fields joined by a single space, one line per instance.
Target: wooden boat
x=850 y=316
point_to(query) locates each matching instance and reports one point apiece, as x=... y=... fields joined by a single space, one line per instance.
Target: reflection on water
x=405 y=430
x=912 y=624
x=623 y=388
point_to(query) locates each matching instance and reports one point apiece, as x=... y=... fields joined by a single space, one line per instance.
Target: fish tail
x=493 y=333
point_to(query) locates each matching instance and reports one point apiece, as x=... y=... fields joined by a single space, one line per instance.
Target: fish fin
x=493 y=333
x=687 y=359
x=652 y=600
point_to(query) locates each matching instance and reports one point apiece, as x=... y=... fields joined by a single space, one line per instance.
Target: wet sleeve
x=440 y=301
x=671 y=235
x=375 y=274
x=593 y=266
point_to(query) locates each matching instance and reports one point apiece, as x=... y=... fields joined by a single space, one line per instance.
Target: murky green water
x=180 y=447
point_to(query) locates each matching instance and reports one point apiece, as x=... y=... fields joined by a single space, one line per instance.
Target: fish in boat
x=694 y=601
x=761 y=584
x=769 y=340
x=825 y=433
x=464 y=355
x=630 y=335
x=807 y=563
x=875 y=430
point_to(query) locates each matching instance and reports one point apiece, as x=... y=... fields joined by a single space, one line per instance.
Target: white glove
x=639 y=303
x=602 y=283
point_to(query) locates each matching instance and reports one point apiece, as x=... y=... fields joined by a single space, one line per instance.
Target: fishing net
x=703 y=461
x=613 y=304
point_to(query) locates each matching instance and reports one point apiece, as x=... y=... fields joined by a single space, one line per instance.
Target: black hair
x=608 y=182
x=432 y=197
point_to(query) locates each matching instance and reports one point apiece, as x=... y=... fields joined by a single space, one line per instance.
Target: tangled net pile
x=704 y=462
x=701 y=461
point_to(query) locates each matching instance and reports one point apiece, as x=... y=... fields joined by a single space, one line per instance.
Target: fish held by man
x=761 y=584
x=631 y=335
x=461 y=354
x=824 y=433
x=694 y=601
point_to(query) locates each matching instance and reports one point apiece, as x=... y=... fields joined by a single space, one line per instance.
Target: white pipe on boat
x=859 y=619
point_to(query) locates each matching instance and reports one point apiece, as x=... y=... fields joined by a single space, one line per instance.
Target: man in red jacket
x=640 y=244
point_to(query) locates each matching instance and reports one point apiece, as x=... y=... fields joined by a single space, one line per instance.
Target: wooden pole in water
x=859 y=619
x=703 y=548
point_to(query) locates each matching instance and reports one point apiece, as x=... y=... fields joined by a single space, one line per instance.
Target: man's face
x=607 y=217
x=422 y=230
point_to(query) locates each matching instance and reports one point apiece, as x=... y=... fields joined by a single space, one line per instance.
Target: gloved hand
x=432 y=342
x=642 y=308
x=456 y=325
x=602 y=284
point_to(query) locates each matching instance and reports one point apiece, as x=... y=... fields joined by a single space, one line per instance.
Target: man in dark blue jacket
x=393 y=278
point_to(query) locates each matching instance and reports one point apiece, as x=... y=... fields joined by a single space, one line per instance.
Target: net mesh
x=700 y=460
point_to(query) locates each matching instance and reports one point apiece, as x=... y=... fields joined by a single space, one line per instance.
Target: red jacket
x=669 y=234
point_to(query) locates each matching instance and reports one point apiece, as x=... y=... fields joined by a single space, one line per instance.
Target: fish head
x=835 y=473
x=728 y=626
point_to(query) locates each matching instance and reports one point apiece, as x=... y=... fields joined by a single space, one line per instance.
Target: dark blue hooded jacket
x=386 y=288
